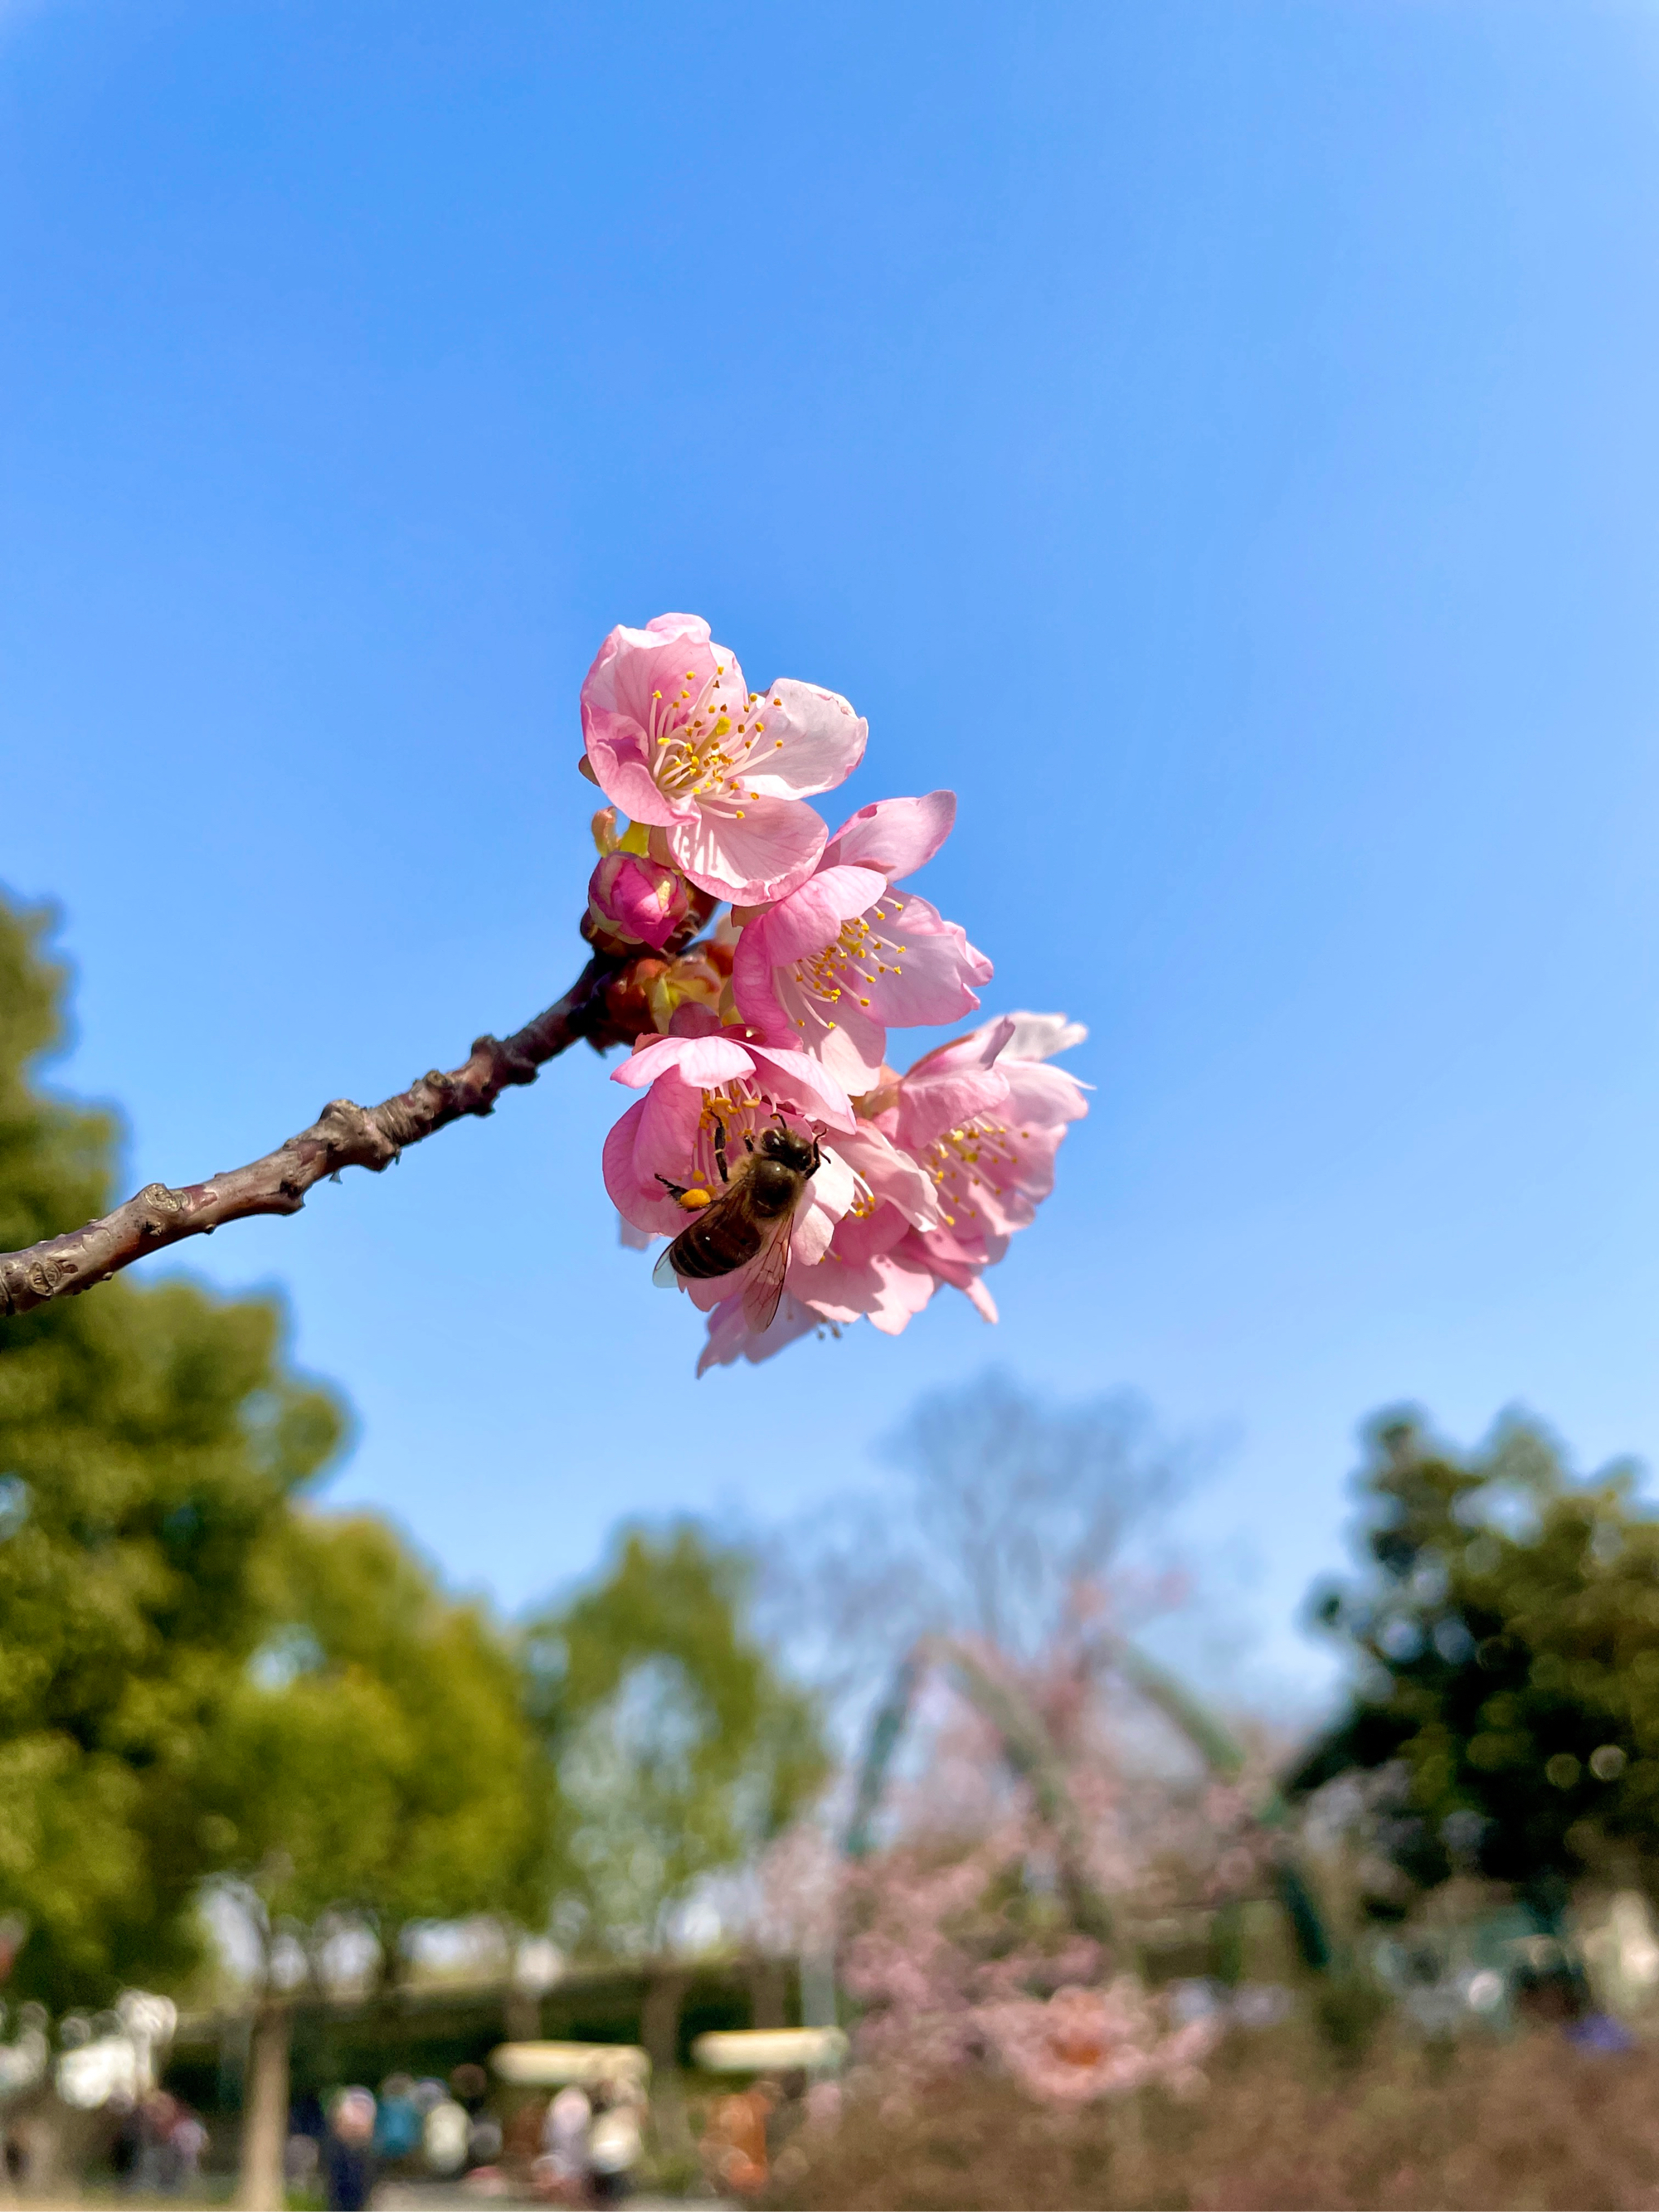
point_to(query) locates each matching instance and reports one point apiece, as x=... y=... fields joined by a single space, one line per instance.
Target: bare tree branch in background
x=1018 y=1503
x=1007 y=1504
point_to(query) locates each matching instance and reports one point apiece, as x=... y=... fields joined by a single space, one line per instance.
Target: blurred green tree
x=150 y=1439
x=678 y=1751
x=376 y=1769
x=1507 y=1636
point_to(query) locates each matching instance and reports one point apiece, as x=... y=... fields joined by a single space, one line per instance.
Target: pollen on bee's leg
x=695 y=1200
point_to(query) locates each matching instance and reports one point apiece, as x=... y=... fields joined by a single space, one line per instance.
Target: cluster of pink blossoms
x=781 y=1015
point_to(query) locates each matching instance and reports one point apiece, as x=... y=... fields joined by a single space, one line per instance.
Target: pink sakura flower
x=676 y=741
x=835 y=963
x=979 y=1121
x=697 y=1084
x=842 y=1267
x=707 y=1095
x=985 y=1116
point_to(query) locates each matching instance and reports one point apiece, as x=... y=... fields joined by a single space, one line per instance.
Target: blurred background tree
x=1507 y=1698
x=677 y=1748
x=375 y=1769
x=150 y=1440
x=1006 y=1510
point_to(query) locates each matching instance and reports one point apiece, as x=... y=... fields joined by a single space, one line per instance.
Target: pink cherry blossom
x=695 y=1084
x=710 y=1094
x=836 y=963
x=632 y=897
x=676 y=739
x=991 y=1157
x=981 y=1128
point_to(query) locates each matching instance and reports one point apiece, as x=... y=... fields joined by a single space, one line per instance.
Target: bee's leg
x=817 y=1154
x=674 y=1190
x=720 y=1148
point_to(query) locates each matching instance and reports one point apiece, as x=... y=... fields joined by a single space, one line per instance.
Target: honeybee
x=751 y=1217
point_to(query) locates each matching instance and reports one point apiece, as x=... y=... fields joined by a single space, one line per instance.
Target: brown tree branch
x=605 y=1005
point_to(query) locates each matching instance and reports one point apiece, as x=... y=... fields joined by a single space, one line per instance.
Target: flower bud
x=637 y=900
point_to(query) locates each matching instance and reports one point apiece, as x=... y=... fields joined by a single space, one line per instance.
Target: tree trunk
x=660 y=2031
x=260 y=2186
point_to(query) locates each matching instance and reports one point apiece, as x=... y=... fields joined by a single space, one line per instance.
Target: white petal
x=1040 y=1036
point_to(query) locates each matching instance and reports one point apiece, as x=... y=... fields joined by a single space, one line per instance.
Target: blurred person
x=483 y=2141
x=189 y=2139
x=469 y=2085
x=155 y=2169
x=614 y=2143
x=522 y=2135
x=734 y=2144
x=562 y=2170
x=397 y=2122
x=445 y=2137
x=301 y=2157
x=126 y=2145
x=348 y=2156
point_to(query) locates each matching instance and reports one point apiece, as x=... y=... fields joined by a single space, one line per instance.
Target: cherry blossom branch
x=605 y=1006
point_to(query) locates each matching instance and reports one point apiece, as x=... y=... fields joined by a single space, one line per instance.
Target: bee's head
x=781 y=1142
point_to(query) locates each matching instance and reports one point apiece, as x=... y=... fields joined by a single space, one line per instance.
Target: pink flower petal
x=941 y=1102
x=798 y=928
x=890 y=1174
x=811 y=741
x=634 y=671
x=704 y=1061
x=656 y=1135
x=809 y=919
x=799 y=1079
x=730 y=1338
x=897 y=835
x=861 y=1237
x=850 y=1044
x=1040 y=1036
x=1041 y=1094
x=925 y=967
x=977 y=1049
x=616 y=752
x=749 y=855
x=905 y=1291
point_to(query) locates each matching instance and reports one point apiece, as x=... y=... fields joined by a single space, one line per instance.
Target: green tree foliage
x=1508 y=1641
x=375 y=1767
x=677 y=1750
x=374 y=1760
x=149 y=1437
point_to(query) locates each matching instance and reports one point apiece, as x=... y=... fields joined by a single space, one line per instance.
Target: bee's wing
x=667 y=1274
x=764 y=1288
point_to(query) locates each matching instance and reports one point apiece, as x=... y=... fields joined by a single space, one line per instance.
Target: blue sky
x=1219 y=440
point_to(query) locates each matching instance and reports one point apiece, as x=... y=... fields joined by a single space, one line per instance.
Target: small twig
x=599 y=1005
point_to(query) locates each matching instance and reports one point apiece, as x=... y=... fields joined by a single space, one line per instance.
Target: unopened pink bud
x=632 y=897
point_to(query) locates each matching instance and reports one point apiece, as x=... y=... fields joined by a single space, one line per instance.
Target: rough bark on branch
x=598 y=1006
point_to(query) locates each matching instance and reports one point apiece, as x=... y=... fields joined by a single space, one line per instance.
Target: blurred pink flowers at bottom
x=1080 y=2044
